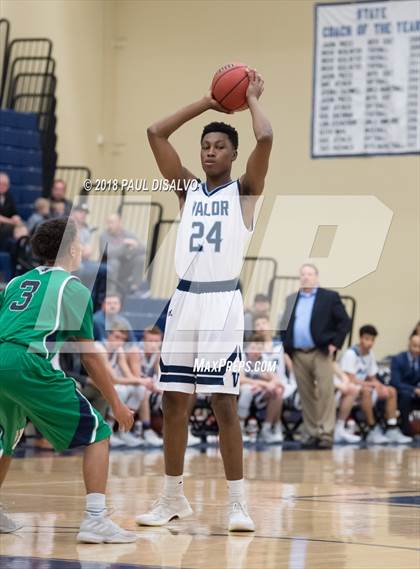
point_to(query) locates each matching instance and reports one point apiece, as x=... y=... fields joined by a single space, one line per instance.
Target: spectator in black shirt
x=9 y=218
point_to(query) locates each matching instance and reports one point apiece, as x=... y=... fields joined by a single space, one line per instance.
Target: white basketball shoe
x=239 y=519
x=164 y=510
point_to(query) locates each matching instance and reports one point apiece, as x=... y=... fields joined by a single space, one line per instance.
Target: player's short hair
x=227 y=129
x=53 y=237
x=155 y=330
x=369 y=330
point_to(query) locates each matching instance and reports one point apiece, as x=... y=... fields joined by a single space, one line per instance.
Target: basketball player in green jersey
x=38 y=312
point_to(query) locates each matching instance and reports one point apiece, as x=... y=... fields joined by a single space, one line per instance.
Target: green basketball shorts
x=31 y=389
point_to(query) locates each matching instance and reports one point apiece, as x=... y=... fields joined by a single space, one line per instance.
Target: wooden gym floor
x=348 y=508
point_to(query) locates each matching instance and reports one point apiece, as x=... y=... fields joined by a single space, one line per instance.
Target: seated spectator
x=346 y=393
x=58 y=195
x=42 y=213
x=261 y=389
x=359 y=363
x=132 y=390
x=150 y=351
x=405 y=377
x=58 y=208
x=104 y=318
x=261 y=306
x=273 y=351
x=9 y=219
x=125 y=255
x=91 y=273
x=147 y=365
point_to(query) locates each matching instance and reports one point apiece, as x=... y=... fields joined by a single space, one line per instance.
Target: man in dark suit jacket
x=405 y=377
x=313 y=327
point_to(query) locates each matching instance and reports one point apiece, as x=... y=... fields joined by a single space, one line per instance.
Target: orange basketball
x=229 y=86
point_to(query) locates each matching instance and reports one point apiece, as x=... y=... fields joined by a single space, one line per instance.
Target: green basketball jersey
x=43 y=308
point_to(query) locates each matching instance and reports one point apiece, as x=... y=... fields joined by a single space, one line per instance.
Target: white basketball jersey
x=212 y=236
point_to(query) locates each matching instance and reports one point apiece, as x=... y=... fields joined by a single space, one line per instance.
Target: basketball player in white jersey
x=205 y=318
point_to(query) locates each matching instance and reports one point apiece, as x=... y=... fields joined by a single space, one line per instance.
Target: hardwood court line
x=311 y=539
x=354 y=494
x=360 y=502
x=255 y=536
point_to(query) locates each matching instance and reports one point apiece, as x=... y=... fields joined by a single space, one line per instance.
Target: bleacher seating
x=21 y=157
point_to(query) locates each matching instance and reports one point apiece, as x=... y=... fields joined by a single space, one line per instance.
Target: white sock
x=95 y=505
x=340 y=424
x=391 y=422
x=266 y=426
x=174 y=486
x=236 y=490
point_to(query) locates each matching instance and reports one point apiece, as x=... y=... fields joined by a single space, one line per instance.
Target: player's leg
x=230 y=436
x=348 y=395
x=5 y=462
x=246 y=394
x=71 y=424
x=95 y=467
x=172 y=503
x=176 y=414
x=225 y=408
x=7 y=524
x=177 y=381
x=393 y=433
x=145 y=415
x=221 y=345
x=96 y=526
x=12 y=424
x=368 y=398
x=271 y=428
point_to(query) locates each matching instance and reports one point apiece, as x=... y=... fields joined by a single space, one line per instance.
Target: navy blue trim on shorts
x=164 y=368
x=203 y=379
x=198 y=287
x=169 y=378
x=87 y=423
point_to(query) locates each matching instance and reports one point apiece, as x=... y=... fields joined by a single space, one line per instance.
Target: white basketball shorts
x=203 y=339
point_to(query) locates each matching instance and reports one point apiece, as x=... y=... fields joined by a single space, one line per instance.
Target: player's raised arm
x=167 y=158
x=252 y=182
x=96 y=365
